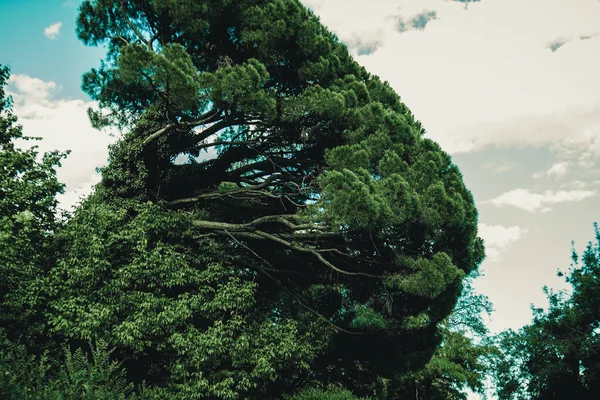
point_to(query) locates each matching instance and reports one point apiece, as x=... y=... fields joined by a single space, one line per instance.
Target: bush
x=321 y=394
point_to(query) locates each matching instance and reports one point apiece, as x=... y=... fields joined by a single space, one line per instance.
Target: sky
x=509 y=88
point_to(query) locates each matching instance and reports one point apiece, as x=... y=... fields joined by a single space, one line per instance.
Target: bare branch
x=251 y=226
x=252 y=191
x=119 y=37
x=211 y=130
x=234 y=194
x=263 y=165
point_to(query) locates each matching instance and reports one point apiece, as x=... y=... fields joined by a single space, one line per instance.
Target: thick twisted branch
x=250 y=231
x=251 y=190
x=251 y=226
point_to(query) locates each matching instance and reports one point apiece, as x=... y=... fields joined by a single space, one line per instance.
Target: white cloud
x=573 y=133
x=499 y=238
x=363 y=31
x=578 y=184
x=533 y=202
x=52 y=31
x=557 y=43
x=500 y=167
x=557 y=170
x=63 y=124
x=473 y=82
x=418 y=21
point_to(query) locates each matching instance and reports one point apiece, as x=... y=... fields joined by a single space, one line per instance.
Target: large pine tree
x=273 y=217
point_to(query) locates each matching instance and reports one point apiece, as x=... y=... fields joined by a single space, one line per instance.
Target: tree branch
x=119 y=37
x=292 y=294
x=211 y=130
x=224 y=143
x=284 y=219
x=249 y=230
x=204 y=119
x=134 y=29
x=252 y=190
x=272 y=162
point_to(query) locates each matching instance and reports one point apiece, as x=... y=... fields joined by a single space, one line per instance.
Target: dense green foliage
x=320 y=239
x=24 y=376
x=272 y=225
x=32 y=366
x=319 y=394
x=271 y=222
x=28 y=187
x=557 y=356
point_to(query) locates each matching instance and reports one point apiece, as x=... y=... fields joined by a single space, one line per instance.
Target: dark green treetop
x=273 y=215
x=558 y=354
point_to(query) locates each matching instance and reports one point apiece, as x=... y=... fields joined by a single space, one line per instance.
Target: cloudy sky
x=510 y=88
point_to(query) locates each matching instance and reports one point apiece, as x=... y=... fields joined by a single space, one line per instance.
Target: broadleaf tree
x=558 y=354
x=28 y=189
x=273 y=218
x=32 y=363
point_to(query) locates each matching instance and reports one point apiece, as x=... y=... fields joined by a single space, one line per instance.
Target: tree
x=28 y=188
x=463 y=359
x=558 y=354
x=312 y=235
x=29 y=365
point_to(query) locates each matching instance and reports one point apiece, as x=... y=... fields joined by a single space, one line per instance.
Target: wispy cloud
x=534 y=202
x=557 y=44
x=573 y=133
x=557 y=170
x=498 y=239
x=500 y=167
x=52 y=31
x=467 y=1
x=418 y=21
x=363 y=46
x=474 y=84
x=561 y=41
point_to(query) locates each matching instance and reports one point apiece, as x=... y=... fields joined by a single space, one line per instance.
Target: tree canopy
x=273 y=223
x=272 y=219
x=272 y=216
